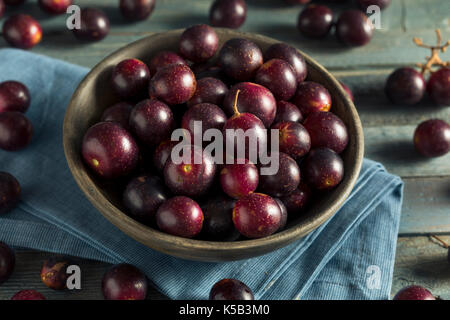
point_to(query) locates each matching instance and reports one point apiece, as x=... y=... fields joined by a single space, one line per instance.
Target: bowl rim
x=160 y=241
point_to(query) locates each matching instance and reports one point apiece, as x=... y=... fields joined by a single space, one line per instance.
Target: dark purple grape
x=347 y=90
x=326 y=131
x=254 y=99
x=228 y=13
x=209 y=90
x=180 y=216
x=288 y=53
x=14 y=96
x=142 y=197
x=238 y=180
x=28 y=295
x=22 y=31
x=279 y=77
x=210 y=116
x=312 y=97
x=405 y=86
x=240 y=58
x=2 y=8
x=256 y=215
x=294 y=139
x=287 y=111
x=7 y=262
x=284 y=181
x=323 y=169
x=199 y=43
x=16 y=131
x=152 y=121
x=230 y=289
x=213 y=72
x=120 y=113
x=124 y=282
x=353 y=28
x=284 y=214
x=162 y=153
x=432 y=138
x=364 y=4
x=136 y=10
x=315 y=21
x=218 y=224
x=94 y=25
x=55 y=6
x=109 y=150
x=438 y=87
x=297 y=201
x=164 y=59
x=174 y=84
x=130 y=79
x=414 y=293
x=190 y=178
x=10 y=191
x=54 y=272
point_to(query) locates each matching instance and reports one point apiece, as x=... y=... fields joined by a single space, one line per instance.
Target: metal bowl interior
x=93 y=95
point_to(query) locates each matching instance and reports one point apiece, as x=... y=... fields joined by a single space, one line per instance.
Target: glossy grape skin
x=432 y=138
x=174 y=84
x=312 y=97
x=315 y=21
x=285 y=181
x=253 y=98
x=230 y=289
x=294 y=139
x=2 y=8
x=109 y=150
x=348 y=91
x=54 y=272
x=55 y=6
x=142 y=197
x=287 y=111
x=405 y=86
x=130 y=79
x=323 y=169
x=136 y=10
x=16 y=131
x=190 y=178
x=288 y=53
x=22 y=31
x=124 y=282
x=414 y=293
x=438 y=86
x=180 y=216
x=28 y=295
x=284 y=214
x=119 y=112
x=240 y=59
x=152 y=121
x=164 y=59
x=297 y=201
x=256 y=215
x=209 y=90
x=353 y=28
x=238 y=180
x=94 y=25
x=364 y=4
x=228 y=13
x=199 y=43
x=279 y=77
x=14 y=96
x=210 y=116
x=10 y=192
x=7 y=262
x=327 y=130
x=218 y=223
x=162 y=153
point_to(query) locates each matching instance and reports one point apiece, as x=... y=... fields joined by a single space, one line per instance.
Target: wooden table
x=388 y=128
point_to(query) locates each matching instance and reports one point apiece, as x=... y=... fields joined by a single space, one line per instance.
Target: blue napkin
x=349 y=257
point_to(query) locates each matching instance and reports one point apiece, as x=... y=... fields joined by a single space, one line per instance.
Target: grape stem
x=434 y=59
x=235 y=109
x=446 y=246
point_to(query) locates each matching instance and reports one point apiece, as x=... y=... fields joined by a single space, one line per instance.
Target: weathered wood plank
x=422 y=261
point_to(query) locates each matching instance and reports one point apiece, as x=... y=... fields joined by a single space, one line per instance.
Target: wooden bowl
x=93 y=95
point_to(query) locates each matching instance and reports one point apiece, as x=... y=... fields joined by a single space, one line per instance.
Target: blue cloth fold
x=351 y=256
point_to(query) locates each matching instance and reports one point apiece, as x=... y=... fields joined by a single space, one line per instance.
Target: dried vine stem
x=434 y=59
